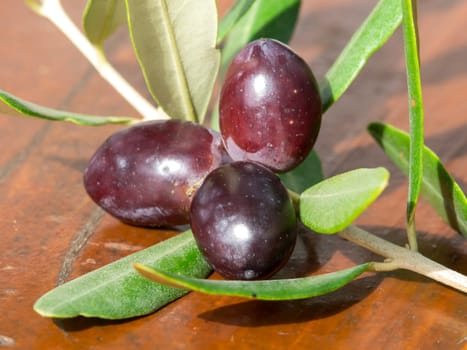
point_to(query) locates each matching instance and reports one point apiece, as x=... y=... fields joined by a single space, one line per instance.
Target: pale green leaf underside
x=333 y=204
x=175 y=44
x=12 y=105
x=234 y=14
x=101 y=18
x=285 y=289
x=307 y=174
x=117 y=291
x=438 y=187
x=371 y=35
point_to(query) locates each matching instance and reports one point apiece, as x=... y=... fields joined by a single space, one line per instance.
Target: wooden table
x=50 y=231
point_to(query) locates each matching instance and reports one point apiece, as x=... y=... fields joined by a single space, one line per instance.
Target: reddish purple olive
x=243 y=221
x=270 y=106
x=147 y=174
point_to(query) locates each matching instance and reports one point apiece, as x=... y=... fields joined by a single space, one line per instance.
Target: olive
x=147 y=174
x=270 y=106
x=243 y=221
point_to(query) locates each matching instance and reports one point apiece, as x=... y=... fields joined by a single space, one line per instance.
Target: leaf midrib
x=180 y=71
x=340 y=193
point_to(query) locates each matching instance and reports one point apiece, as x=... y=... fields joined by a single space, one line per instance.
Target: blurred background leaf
x=308 y=173
x=369 y=38
x=101 y=18
x=239 y=8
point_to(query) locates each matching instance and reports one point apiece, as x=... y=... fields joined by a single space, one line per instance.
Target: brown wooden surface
x=50 y=231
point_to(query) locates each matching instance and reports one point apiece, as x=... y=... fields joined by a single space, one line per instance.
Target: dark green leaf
x=101 y=18
x=265 y=19
x=438 y=187
x=12 y=105
x=175 y=44
x=414 y=85
x=117 y=291
x=372 y=34
x=234 y=14
x=333 y=204
x=305 y=175
x=286 y=289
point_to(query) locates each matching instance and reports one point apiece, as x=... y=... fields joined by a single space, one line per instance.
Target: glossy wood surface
x=50 y=231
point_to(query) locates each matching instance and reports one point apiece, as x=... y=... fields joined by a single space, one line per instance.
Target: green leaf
x=438 y=187
x=371 y=35
x=285 y=289
x=175 y=45
x=274 y=19
x=116 y=291
x=234 y=14
x=414 y=85
x=333 y=204
x=307 y=174
x=12 y=105
x=101 y=18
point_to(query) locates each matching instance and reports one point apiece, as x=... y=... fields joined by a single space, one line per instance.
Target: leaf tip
x=385 y=175
x=45 y=309
x=144 y=270
x=37 y=308
x=376 y=129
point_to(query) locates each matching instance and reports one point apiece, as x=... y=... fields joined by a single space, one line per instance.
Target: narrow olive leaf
x=333 y=204
x=307 y=174
x=274 y=19
x=101 y=18
x=117 y=291
x=284 y=289
x=369 y=38
x=234 y=14
x=12 y=105
x=438 y=187
x=175 y=44
x=412 y=61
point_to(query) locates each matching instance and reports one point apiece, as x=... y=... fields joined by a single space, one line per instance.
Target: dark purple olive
x=147 y=174
x=243 y=221
x=270 y=107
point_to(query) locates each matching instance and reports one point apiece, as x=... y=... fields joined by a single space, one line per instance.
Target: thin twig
x=53 y=11
x=397 y=257
x=402 y=258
